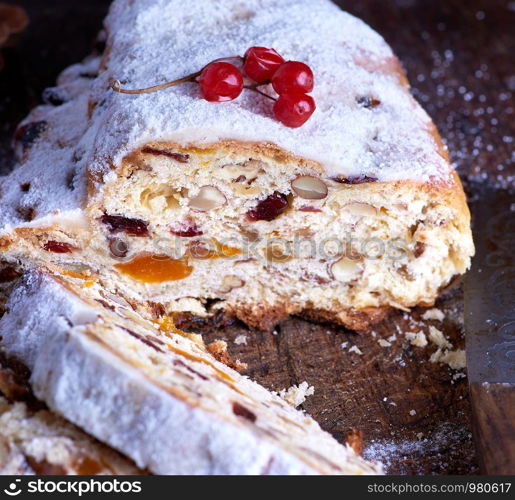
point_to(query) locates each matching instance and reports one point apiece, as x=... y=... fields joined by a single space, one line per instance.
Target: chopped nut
x=208 y=198
x=360 y=209
x=230 y=282
x=346 y=269
x=309 y=188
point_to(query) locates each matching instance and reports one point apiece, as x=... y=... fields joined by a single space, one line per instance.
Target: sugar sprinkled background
x=458 y=56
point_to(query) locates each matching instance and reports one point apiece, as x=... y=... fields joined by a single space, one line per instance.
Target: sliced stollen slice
x=34 y=440
x=353 y=214
x=153 y=393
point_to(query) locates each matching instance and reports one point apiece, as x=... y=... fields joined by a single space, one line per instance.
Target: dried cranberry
x=269 y=208
x=29 y=133
x=180 y=157
x=120 y=224
x=420 y=248
x=358 y=179
x=186 y=229
x=58 y=247
x=368 y=102
x=241 y=411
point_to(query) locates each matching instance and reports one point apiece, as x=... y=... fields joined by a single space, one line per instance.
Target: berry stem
x=255 y=88
x=115 y=84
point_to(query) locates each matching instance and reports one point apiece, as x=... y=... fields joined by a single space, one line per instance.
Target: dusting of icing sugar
x=50 y=178
x=167 y=41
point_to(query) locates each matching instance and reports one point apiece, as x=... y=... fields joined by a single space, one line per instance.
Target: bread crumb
x=240 y=339
x=434 y=314
x=437 y=337
x=297 y=394
x=455 y=359
x=218 y=349
x=384 y=343
x=344 y=345
x=420 y=435
x=412 y=412
x=355 y=349
x=391 y=338
x=417 y=339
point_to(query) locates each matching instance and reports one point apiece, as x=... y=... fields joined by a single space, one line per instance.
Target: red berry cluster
x=221 y=81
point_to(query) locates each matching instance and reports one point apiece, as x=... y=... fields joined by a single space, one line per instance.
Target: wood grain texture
x=414 y=414
x=494 y=426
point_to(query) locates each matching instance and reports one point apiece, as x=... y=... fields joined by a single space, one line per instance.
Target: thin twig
x=115 y=84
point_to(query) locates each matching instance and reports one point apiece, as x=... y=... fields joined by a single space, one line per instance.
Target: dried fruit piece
x=180 y=157
x=120 y=224
x=155 y=268
x=269 y=208
x=211 y=249
x=346 y=269
x=58 y=247
x=368 y=102
x=420 y=248
x=208 y=198
x=27 y=134
x=241 y=411
x=186 y=229
x=309 y=187
x=357 y=179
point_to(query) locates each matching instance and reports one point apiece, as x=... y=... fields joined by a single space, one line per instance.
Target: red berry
x=293 y=110
x=293 y=76
x=261 y=63
x=220 y=82
x=269 y=208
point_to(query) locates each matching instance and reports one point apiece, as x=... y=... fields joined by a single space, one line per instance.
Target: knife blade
x=490 y=329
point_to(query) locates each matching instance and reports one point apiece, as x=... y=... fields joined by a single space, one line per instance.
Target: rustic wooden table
x=415 y=414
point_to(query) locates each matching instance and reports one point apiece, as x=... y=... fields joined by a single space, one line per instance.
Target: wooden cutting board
x=414 y=413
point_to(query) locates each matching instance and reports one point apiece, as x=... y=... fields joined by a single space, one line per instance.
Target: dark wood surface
x=415 y=415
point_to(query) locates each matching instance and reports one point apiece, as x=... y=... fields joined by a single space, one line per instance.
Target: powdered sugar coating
x=165 y=41
x=168 y=41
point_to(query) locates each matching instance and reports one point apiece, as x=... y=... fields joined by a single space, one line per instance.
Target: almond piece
x=346 y=269
x=309 y=188
x=208 y=198
x=230 y=282
x=360 y=209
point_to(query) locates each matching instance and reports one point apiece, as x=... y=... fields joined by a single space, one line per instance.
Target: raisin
x=358 y=179
x=368 y=102
x=269 y=208
x=120 y=224
x=58 y=247
x=29 y=133
x=180 y=157
x=187 y=229
x=420 y=248
x=241 y=411
x=52 y=96
x=25 y=187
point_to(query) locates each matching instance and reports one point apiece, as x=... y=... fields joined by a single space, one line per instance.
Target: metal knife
x=490 y=329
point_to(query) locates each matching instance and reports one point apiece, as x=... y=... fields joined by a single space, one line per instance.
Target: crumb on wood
x=356 y=349
x=455 y=359
x=437 y=337
x=384 y=343
x=297 y=394
x=355 y=440
x=433 y=314
x=241 y=339
x=218 y=349
x=417 y=339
